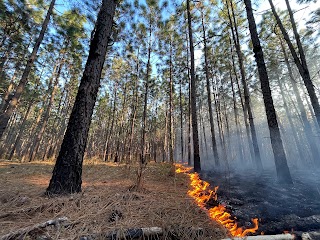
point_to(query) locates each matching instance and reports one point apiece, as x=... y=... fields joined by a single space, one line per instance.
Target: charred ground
x=279 y=207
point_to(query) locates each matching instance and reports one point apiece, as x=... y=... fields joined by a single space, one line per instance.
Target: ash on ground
x=279 y=208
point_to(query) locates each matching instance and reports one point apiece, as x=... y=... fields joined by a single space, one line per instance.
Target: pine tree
x=276 y=141
x=193 y=95
x=67 y=173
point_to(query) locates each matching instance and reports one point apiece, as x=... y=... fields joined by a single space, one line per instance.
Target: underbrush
x=105 y=203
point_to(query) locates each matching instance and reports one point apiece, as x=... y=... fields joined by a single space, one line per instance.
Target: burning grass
x=105 y=203
x=202 y=194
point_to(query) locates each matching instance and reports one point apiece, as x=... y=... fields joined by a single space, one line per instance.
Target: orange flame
x=182 y=169
x=201 y=193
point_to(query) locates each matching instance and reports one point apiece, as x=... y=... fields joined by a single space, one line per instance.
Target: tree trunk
x=134 y=110
x=305 y=122
x=213 y=137
x=56 y=124
x=35 y=147
x=32 y=131
x=9 y=134
x=20 y=131
x=218 y=116
x=245 y=113
x=110 y=130
x=189 y=105
x=235 y=36
x=120 y=130
x=171 y=111
x=165 y=144
x=288 y=113
x=4 y=59
x=67 y=173
x=144 y=116
x=195 y=135
x=181 y=120
x=24 y=79
x=282 y=168
x=7 y=96
x=300 y=62
x=236 y=119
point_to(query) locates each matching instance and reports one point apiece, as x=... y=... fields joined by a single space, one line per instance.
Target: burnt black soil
x=278 y=207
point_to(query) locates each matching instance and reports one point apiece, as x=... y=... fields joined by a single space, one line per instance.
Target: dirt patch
x=105 y=203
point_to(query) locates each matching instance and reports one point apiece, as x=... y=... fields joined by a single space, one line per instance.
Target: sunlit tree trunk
x=282 y=168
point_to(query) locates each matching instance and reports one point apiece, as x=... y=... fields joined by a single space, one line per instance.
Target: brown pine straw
x=105 y=203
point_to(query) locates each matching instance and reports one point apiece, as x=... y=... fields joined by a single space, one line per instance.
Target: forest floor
x=105 y=203
x=279 y=207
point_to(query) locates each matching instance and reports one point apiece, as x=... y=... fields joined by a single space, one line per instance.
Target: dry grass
x=105 y=195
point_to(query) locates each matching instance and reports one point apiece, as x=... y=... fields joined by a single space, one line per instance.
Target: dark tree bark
x=282 y=168
x=67 y=173
x=24 y=79
x=195 y=136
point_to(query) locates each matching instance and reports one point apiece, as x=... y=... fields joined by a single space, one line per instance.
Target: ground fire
x=201 y=193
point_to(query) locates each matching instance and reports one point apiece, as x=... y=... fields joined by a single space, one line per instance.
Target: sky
x=303 y=10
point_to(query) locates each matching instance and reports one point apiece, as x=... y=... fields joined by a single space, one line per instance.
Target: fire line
x=201 y=193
